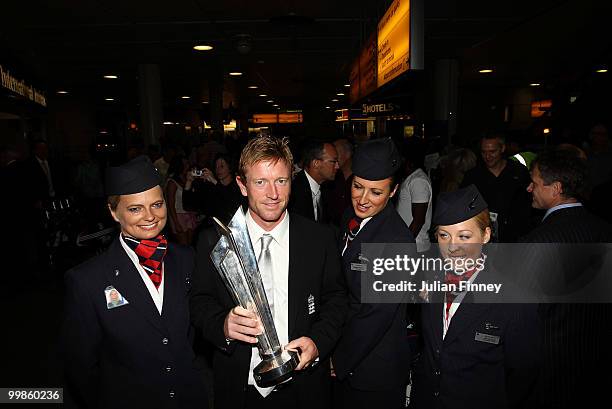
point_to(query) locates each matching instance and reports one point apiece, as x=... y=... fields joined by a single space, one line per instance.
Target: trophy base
x=275 y=369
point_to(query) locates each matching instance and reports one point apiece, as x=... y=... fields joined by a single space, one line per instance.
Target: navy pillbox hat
x=458 y=206
x=135 y=176
x=377 y=159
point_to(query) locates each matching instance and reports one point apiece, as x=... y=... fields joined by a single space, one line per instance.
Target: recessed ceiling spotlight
x=327 y=107
x=205 y=102
x=535 y=84
x=109 y=99
x=168 y=123
x=235 y=73
x=347 y=85
x=202 y=47
x=334 y=100
x=270 y=101
x=185 y=97
x=275 y=105
x=263 y=95
x=340 y=94
x=602 y=70
x=485 y=71
x=253 y=87
x=111 y=77
x=62 y=92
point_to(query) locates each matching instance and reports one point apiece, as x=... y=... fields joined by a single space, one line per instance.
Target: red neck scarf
x=150 y=254
x=352 y=229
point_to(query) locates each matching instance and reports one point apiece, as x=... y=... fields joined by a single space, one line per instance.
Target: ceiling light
x=111 y=77
x=203 y=47
x=168 y=123
x=485 y=71
x=535 y=84
x=340 y=94
x=327 y=107
x=347 y=85
x=62 y=92
x=546 y=130
x=275 y=105
x=334 y=100
x=270 y=101
x=252 y=86
x=235 y=74
x=185 y=97
x=263 y=95
x=602 y=70
x=109 y=99
x=205 y=102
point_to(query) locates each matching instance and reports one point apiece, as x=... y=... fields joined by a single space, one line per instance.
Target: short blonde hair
x=264 y=148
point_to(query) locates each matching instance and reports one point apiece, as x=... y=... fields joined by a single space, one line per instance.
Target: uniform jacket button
x=171 y=394
x=165 y=341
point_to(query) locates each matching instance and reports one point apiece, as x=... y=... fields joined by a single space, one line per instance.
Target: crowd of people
x=132 y=313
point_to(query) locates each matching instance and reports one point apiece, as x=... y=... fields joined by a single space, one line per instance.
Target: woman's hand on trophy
x=242 y=325
x=306 y=349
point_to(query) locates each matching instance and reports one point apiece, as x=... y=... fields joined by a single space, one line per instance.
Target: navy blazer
x=130 y=356
x=466 y=370
x=375 y=350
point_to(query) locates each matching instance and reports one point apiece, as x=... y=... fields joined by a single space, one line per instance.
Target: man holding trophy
x=269 y=294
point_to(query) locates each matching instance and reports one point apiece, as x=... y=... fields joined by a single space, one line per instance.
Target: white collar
x=279 y=232
x=314 y=186
x=561 y=206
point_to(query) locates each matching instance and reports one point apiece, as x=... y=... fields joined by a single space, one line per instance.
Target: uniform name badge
x=359 y=267
x=489 y=339
x=114 y=299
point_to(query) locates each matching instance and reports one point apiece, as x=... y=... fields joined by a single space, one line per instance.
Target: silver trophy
x=235 y=260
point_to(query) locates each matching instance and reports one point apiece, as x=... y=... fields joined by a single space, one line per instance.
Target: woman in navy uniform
x=372 y=358
x=126 y=335
x=478 y=352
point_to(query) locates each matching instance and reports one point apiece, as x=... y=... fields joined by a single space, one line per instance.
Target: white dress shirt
x=315 y=190
x=45 y=167
x=446 y=320
x=561 y=206
x=279 y=249
x=157 y=294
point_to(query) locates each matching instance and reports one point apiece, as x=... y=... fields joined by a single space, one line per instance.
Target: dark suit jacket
x=314 y=269
x=130 y=356
x=374 y=352
x=462 y=372
x=301 y=198
x=576 y=336
x=37 y=183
